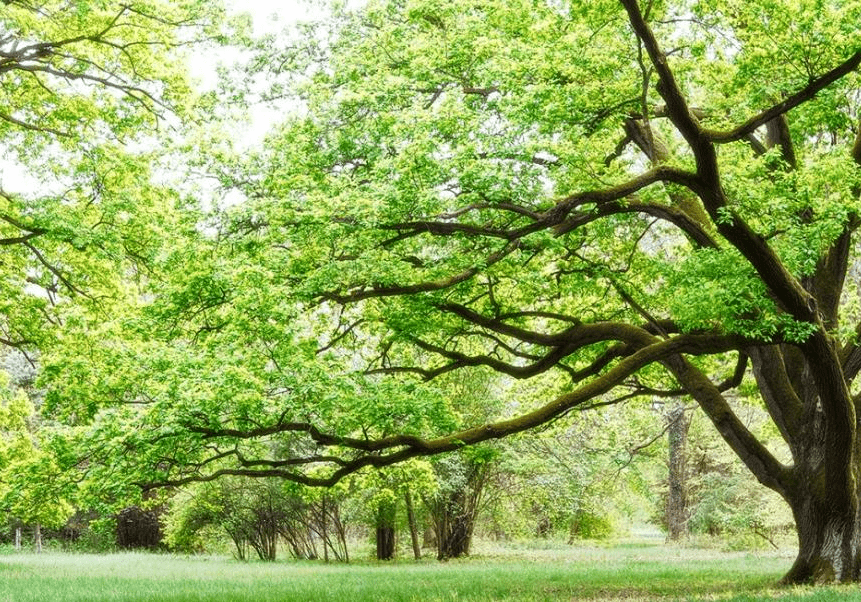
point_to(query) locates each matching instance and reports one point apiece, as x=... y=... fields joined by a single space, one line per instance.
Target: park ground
x=529 y=572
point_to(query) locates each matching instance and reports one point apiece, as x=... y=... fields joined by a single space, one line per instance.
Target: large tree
x=614 y=199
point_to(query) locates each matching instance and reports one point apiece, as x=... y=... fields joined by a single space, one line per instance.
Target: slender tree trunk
x=38 y=537
x=18 y=538
x=323 y=520
x=677 y=523
x=411 y=519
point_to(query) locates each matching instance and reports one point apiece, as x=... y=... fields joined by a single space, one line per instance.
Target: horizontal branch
x=661 y=173
x=672 y=215
x=421 y=287
x=651 y=350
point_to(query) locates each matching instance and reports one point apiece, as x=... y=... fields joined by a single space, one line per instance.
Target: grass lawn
x=633 y=572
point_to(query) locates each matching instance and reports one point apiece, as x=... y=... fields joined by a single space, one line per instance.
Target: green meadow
x=633 y=572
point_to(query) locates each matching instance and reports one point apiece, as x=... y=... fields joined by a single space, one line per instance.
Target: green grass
x=561 y=573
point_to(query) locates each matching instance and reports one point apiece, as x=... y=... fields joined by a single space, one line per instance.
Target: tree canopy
x=610 y=200
x=87 y=91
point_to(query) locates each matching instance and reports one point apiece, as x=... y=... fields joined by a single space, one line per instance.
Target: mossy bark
x=676 y=512
x=829 y=544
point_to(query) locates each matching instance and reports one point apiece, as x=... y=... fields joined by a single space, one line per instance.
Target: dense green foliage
x=612 y=202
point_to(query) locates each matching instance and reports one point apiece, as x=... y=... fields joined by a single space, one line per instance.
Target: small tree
x=455 y=506
x=33 y=488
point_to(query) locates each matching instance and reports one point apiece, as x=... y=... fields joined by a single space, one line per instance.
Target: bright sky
x=269 y=15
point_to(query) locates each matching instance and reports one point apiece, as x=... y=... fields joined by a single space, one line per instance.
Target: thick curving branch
x=649 y=349
x=660 y=174
x=688 y=226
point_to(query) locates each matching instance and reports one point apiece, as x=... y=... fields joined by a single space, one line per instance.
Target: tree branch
x=800 y=97
x=650 y=350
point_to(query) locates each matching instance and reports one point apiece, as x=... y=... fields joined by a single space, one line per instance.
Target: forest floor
x=528 y=572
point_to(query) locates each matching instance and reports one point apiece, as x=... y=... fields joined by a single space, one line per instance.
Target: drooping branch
x=761 y=462
x=662 y=173
x=461 y=360
x=54 y=270
x=71 y=60
x=690 y=227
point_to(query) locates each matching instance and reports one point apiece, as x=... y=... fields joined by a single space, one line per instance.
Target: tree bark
x=454 y=532
x=411 y=519
x=829 y=542
x=385 y=542
x=37 y=534
x=677 y=434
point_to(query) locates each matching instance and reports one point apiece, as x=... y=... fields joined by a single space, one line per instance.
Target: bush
x=588 y=525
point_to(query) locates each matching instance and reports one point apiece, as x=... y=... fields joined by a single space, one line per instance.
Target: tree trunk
x=38 y=537
x=822 y=485
x=677 y=523
x=138 y=528
x=18 y=538
x=455 y=512
x=829 y=543
x=385 y=532
x=455 y=535
x=411 y=519
x=385 y=542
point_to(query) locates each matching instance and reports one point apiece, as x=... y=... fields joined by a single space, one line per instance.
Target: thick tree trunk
x=385 y=542
x=455 y=518
x=385 y=531
x=138 y=528
x=829 y=540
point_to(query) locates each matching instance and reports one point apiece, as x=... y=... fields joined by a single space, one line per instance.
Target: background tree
x=258 y=515
x=33 y=490
x=678 y=423
x=91 y=93
x=657 y=199
x=722 y=496
x=584 y=478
